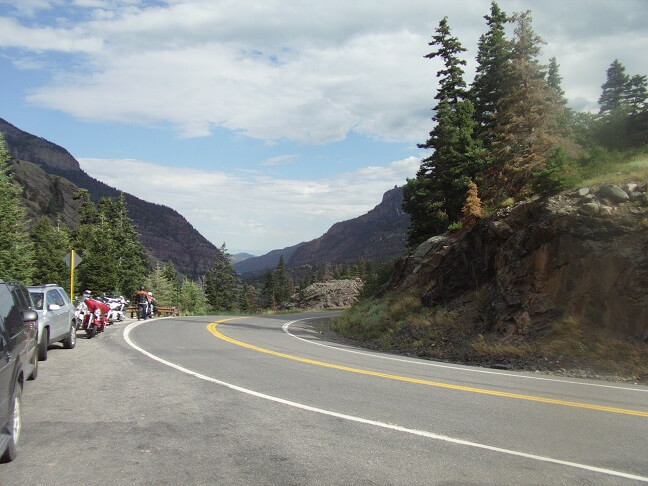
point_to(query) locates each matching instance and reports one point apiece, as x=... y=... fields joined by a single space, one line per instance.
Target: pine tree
x=114 y=261
x=51 y=245
x=488 y=87
x=268 y=290
x=221 y=283
x=554 y=79
x=130 y=259
x=615 y=89
x=435 y=198
x=283 y=287
x=163 y=289
x=472 y=210
x=637 y=94
x=527 y=125
x=171 y=274
x=16 y=250
x=192 y=300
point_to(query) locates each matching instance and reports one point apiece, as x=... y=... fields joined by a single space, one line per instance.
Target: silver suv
x=55 y=317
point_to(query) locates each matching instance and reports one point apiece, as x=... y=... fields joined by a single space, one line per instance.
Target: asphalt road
x=266 y=401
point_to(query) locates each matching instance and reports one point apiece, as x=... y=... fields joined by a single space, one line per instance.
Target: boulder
x=613 y=193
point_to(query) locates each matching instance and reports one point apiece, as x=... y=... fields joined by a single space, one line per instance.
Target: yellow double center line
x=212 y=329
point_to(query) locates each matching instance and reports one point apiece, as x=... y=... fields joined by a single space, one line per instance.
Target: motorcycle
x=118 y=306
x=92 y=317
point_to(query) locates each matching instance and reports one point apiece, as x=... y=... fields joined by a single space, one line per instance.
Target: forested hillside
x=166 y=235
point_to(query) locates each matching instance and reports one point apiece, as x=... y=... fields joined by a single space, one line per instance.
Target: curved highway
x=492 y=426
x=266 y=400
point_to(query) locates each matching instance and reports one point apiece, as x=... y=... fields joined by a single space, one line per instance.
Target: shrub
x=556 y=176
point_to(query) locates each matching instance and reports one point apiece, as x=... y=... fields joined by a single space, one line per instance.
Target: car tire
x=70 y=341
x=34 y=372
x=14 y=425
x=43 y=344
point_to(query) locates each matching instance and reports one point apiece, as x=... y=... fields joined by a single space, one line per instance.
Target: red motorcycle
x=95 y=319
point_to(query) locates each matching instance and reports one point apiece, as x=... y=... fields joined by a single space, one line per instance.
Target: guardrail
x=159 y=311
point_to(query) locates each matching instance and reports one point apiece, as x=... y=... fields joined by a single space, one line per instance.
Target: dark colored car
x=17 y=320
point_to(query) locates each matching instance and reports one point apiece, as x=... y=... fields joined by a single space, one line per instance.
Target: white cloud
x=308 y=72
x=280 y=160
x=253 y=212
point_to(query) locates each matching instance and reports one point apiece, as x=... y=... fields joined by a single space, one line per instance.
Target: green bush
x=559 y=174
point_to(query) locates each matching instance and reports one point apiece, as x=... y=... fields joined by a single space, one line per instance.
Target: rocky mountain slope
x=379 y=234
x=332 y=294
x=581 y=255
x=50 y=176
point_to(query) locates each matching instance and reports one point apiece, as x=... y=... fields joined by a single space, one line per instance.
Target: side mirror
x=29 y=316
x=54 y=307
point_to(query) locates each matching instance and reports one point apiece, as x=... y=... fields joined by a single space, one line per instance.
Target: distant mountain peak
x=379 y=234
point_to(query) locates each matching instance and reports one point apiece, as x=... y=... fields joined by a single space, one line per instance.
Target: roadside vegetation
x=400 y=323
x=508 y=137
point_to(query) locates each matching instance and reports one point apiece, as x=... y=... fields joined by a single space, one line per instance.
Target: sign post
x=72 y=259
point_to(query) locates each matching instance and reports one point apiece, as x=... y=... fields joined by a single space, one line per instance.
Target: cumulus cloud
x=254 y=212
x=309 y=73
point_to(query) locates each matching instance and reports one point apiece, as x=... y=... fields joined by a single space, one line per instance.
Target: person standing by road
x=142 y=300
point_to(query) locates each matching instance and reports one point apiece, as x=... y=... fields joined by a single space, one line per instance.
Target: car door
x=6 y=354
x=56 y=315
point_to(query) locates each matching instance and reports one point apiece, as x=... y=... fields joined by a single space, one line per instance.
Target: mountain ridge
x=164 y=232
x=379 y=234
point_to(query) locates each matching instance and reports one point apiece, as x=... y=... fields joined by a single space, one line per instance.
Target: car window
x=37 y=298
x=10 y=312
x=22 y=297
x=54 y=297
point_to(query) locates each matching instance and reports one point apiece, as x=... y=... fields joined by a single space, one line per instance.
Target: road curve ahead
x=265 y=400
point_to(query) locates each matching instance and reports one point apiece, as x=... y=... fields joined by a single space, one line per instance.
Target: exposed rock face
x=37 y=150
x=327 y=295
x=45 y=194
x=582 y=253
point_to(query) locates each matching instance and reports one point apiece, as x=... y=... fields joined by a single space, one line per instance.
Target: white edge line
x=383 y=425
x=438 y=365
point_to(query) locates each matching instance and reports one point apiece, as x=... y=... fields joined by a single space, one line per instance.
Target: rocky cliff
x=582 y=254
x=333 y=294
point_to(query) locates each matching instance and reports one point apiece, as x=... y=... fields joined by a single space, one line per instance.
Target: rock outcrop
x=582 y=253
x=327 y=295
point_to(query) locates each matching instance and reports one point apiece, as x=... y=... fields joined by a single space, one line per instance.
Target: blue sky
x=264 y=123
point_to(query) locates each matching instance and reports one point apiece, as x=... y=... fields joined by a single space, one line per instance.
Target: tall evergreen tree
x=268 y=291
x=554 y=79
x=16 y=251
x=113 y=258
x=283 y=287
x=488 y=87
x=51 y=245
x=526 y=128
x=130 y=259
x=164 y=290
x=615 y=89
x=435 y=198
x=221 y=284
x=637 y=95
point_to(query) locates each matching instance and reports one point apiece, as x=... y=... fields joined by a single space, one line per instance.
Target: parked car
x=16 y=322
x=55 y=317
